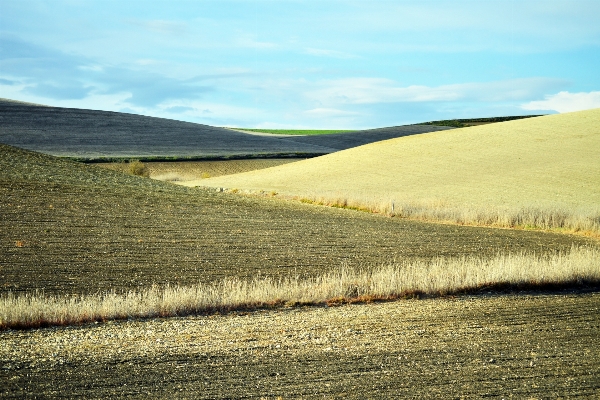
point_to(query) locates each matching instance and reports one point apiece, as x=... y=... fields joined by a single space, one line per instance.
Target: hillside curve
x=545 y=162
x=90 y=134
x=96 y=135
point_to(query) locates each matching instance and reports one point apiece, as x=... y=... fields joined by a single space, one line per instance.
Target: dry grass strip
x=581 y=221
x=578 y=268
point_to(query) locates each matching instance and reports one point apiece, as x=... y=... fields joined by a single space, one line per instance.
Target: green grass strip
x=297 y=131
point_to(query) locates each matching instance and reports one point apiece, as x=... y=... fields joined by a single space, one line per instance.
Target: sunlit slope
x=549 y=160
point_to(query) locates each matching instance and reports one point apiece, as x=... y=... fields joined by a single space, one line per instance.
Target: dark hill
x=90 y=134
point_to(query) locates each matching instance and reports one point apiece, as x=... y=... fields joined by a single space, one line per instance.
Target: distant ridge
x=109 y=136
x=10 y=102
x=463 y=123
x=348 y=140
x=90 y=134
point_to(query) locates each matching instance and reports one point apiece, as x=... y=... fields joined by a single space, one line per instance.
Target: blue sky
x=303 y=64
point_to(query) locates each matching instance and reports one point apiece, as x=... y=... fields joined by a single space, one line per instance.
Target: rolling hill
x=347 y=140
x=549 y=162
x=90 y=134
x=69 y=231
x=68 y=227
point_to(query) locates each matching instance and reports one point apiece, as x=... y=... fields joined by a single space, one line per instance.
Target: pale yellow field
x=543 y=163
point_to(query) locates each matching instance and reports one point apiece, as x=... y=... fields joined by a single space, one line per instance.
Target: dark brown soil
x=499 y=347
x=71 y=228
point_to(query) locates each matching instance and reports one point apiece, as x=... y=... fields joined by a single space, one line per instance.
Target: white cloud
x=329 y=113
x=251 y=42
x=378 y=90
x=566 y=102
x=146 y=61
x=161 y=26
x=94 y=101
x=212 y=113
x=92 y=68
x=329 y=53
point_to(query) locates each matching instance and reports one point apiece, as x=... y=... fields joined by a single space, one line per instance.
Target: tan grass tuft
x=138 y=168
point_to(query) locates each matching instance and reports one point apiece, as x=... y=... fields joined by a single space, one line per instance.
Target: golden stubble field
x=548 y=163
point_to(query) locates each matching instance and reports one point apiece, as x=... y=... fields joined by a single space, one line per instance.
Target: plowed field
x=72 y=228
x=471 y=347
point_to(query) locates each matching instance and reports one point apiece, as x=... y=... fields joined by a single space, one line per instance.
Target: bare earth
x=491 y=346
x=72 y=228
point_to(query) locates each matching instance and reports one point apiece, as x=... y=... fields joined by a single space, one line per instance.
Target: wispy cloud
x=250 y=41
x=566 y=102
x=329 y=53
x=8 y=82
x=160 y=26
x=178 y=109
x=477 y=25
x=92 y=68
x=378 y=90
x=356 y=64
x=60 y=91
x=329 y=113
x=54 y=74
x=146 y=61
x=212 y=113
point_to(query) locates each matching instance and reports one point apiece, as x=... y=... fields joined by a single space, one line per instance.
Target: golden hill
x=544 y=163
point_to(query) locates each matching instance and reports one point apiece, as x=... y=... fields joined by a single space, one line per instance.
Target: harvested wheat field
x=541 y=172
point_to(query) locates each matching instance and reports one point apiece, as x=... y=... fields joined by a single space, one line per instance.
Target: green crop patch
x=296 y=131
